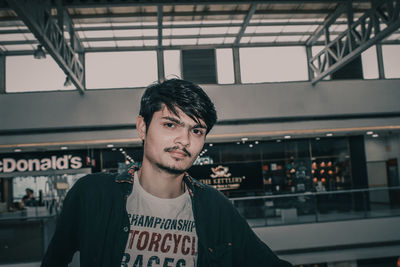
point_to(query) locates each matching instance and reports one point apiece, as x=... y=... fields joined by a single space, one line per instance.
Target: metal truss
x=37 y=17
x=372 y=27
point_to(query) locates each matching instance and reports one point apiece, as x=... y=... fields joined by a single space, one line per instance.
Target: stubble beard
x=171 y=170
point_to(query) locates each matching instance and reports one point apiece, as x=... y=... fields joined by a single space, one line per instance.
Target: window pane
x=225 y=66
x=27 y=74
x=370 y=63
x=391 y=60
x=120 y=69
x=172 y=64
x=273 y=64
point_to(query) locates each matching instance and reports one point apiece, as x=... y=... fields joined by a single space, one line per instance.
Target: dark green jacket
x=95 y=222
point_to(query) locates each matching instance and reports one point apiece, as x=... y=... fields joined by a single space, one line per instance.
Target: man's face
x=171 y=143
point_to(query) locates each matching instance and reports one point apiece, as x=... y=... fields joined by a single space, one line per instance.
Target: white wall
x=381 y=149
x=119 y=107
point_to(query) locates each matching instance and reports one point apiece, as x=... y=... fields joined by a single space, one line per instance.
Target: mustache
x=170 y=149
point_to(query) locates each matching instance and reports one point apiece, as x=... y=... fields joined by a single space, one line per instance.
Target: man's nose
x=183 y=138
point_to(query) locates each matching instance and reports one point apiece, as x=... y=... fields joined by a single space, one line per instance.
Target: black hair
x=176 y=93
x=29 y=190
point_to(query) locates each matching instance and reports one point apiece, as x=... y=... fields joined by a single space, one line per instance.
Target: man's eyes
x=169 y=124
x=198 y=131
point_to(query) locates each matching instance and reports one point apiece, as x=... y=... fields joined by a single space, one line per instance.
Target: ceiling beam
x=179 y=26
x=327 y=22
x=39 y=21
x=207 y=13
x=246 y=21
x=365 y=32
x=107 y=3
x=154 y=37
x=159 y=25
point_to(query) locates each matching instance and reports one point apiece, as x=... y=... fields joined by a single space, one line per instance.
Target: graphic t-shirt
x=162 y=231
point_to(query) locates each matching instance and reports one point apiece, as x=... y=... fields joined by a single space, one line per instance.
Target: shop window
x=172 y=64
x=225 y=70
x=198 y=65
x=381 y=262
x=330 y=164
x=120 y=69
x=391 y=60
x=287 y=175
x=370 y=63
x=118 y=159
x=273 y=64
x=240 y=152
x=329 y=147
x=27 y=74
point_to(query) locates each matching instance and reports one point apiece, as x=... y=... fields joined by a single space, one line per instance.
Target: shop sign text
x=8 y=165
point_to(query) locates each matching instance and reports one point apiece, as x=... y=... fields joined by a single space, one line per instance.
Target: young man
x=158 y=215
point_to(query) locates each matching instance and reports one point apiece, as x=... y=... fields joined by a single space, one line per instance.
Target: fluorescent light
x=110 y=145
x=278 y=141
x=370 y=132
x=64 y=148
x=17 y=150
x=317 y=138
x=329 y=134
x=287 y=137
x=375 y=135
x=244 y=139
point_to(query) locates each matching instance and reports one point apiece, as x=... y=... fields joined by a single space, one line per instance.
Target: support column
x=381 y=69
x=2 y=74
x=309 y=56
x=236 y=65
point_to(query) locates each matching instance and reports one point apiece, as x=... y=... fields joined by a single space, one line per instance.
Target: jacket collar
x=127 y=177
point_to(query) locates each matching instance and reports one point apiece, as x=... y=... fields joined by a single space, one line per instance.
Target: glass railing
x=311 y=207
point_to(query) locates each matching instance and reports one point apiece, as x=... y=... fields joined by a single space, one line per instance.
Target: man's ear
x=141 y=127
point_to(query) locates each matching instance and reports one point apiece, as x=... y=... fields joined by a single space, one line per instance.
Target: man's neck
x=160 y=183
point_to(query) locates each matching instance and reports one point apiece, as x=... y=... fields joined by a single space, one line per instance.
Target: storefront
x=33 y=186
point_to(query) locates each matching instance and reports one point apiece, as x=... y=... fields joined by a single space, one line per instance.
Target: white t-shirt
x=162 y=231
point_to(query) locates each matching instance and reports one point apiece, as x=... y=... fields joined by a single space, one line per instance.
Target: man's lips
x=180 y=153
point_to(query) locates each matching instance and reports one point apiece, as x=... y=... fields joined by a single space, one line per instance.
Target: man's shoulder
x=209 y=193
x=96 y=180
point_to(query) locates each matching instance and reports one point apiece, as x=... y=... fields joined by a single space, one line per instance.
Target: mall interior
x=307 y=143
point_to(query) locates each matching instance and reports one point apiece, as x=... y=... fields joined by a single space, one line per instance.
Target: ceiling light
x=67 y=82
x=279 y=140
x=244 y=139
x=210 y=144
x=17 y=150
x=287 y=137
x=238 y=143
x=110 y=145
x=256 y=142
x=375 y=135
x=39 y=52
x=64 y=148
x=329 y=134
x=317 y=138
x=251 y=145
x=370 y=132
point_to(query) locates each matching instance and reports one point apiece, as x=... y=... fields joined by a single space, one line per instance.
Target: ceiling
x=101 y=26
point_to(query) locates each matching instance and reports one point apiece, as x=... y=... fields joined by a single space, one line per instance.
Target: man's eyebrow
x=197 y=125
x=173 y=120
